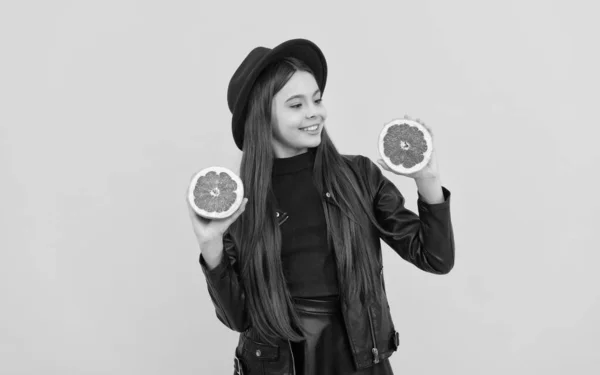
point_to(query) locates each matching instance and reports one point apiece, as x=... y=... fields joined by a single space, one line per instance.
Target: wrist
x=209 y=242
x=211 y=246
x=211 y=260
x=430 y=189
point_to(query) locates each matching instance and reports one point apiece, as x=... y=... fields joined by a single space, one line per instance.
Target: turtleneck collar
x=294 y=163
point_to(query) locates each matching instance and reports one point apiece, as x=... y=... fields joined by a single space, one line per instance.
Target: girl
x=297 y=270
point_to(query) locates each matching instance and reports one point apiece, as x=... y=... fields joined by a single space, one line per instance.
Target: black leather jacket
x=426 y=240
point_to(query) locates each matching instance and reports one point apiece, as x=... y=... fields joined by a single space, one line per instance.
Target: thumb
x=383 y=165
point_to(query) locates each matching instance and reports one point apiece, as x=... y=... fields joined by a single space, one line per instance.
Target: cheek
x=279 y=121
x=323 y=112
x=285 y=125
x=275 y=130
x=290 y=121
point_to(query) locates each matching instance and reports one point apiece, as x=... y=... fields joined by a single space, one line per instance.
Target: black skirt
x=325 y=349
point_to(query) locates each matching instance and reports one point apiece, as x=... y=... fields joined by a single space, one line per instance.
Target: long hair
x=257 y=234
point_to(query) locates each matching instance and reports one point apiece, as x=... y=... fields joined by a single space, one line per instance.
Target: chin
x=312 y=144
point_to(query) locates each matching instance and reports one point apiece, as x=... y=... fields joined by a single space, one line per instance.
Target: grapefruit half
x=405 y=145
x=215 y=192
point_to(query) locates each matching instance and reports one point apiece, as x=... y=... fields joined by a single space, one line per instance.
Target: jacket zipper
x=293 y=361
x=374 y=350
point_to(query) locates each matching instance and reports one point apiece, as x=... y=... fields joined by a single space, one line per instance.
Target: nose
x=312 y=111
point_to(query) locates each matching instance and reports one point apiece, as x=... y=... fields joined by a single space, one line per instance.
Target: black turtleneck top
x=308 y=263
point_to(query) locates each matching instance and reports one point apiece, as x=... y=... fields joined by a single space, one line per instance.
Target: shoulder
x=366 y=170
x=359 y=162
x=354 y=158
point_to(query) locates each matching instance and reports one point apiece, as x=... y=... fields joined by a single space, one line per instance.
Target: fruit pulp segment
x=404 y=145
x=215 y=192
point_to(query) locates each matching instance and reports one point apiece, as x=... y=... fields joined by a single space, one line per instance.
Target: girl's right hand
x=208 y=230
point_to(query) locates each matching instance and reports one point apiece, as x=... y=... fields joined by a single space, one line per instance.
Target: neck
x=281 y=153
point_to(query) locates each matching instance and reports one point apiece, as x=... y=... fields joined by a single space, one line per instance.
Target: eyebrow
x=299 y=96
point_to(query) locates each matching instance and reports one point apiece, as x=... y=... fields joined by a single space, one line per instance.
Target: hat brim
x=301 y=49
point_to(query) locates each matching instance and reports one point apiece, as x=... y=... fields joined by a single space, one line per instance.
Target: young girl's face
x=296 y=107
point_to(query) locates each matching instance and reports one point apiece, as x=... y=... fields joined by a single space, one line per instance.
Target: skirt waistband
x=317 y=304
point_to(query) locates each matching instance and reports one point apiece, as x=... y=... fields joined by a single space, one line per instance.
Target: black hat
x=244 y=77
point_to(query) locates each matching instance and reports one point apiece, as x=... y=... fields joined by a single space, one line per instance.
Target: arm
x=224 y=286
x=426 y=240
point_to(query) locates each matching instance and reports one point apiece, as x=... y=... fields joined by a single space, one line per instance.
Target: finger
x=190 y=209
x=429 y=130
x=383 y=165
x=426 y=127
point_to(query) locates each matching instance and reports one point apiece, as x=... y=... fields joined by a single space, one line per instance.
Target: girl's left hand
x=429 y=171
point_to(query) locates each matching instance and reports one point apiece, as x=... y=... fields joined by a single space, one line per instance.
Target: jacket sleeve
x=225 y=288
x=427 y=239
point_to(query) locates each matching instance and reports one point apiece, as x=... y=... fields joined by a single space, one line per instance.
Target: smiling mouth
x=310 y=128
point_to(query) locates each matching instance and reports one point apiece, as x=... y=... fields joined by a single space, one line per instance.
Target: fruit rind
x=426 y=155
x=216 y=215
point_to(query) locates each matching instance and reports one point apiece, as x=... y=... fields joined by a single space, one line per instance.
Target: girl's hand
x=207 y=230
x=429 y=171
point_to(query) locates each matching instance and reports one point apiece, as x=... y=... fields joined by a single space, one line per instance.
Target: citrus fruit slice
x=405 y=145
x=215 y=192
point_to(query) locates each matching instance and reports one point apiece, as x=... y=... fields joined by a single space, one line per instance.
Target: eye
x=296 y=105
x=318 y=101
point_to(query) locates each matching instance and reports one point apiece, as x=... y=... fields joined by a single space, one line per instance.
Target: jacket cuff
x=216 y=273
x=430 y=207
